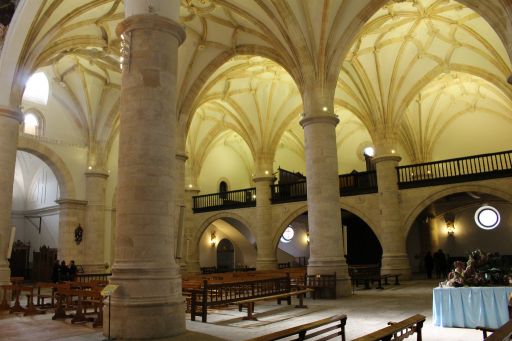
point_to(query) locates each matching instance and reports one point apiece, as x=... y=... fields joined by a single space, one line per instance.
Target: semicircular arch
x=54 y=161
x=457 y=188
x=218 y=216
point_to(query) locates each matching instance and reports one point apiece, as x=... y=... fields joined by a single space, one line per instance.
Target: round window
x=287 y=235
x=487 y=217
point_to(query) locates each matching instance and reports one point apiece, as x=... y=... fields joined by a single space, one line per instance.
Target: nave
x=367 y=311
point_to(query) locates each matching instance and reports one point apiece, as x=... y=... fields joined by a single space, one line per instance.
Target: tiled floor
x=367 y=310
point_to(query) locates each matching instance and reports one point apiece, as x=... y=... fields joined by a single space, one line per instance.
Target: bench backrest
x=504 y=333
x=397 y=331
x=364 y=270
x=329 y=328
x=221 y=293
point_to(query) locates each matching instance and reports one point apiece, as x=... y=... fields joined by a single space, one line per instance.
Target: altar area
x=469 y=307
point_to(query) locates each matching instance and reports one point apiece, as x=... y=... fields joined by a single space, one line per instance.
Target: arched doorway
x=450 y=224
x=225 y=256
x=362 y=245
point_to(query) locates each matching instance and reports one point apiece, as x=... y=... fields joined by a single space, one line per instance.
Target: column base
x=144 y=320
x=330 y=266
x=148 y=304
x=266 y=264
x=396 y=263
x=5 y=274
x=193 y=267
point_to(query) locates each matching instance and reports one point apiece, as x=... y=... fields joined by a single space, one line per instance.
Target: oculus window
x=288 y=234
x=487 y=217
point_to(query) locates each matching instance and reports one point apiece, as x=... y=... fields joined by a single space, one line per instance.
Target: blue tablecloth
x=469 y=307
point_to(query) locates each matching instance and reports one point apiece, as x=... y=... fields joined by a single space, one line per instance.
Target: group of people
x=438 y=263
x=62 y=272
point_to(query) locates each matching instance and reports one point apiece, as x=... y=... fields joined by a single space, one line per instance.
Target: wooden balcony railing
x=358 y=183
x=225 y=200
x=288 y=192
x=470 y=168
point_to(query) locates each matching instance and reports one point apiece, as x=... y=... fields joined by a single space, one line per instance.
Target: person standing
x=55 y=271
x=72 y=271
x=429 y=264
x=64 y=271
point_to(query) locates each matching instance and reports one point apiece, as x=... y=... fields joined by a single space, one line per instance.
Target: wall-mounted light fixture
x=307 y=237
x=213 y=239
x=449 y=219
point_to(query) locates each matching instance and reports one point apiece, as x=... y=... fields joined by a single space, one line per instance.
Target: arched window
x=37 y=88
x=223 y=188
x=368 y=154
x=33 y=123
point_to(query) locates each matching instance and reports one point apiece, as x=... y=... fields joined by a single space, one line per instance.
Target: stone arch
x=204 y=225
x=285 y=222
x=457 y=188
x=190 y=103
x=364 y=217
x=54 y=161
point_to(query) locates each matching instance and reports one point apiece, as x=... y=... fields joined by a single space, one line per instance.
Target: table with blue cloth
x=469 y=307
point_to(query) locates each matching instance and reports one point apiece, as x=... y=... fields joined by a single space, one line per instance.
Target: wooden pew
x=397 y=330
x=221 y=294
x=249 y=303
x=324 y=286
x=503 y=333
x=329 y=328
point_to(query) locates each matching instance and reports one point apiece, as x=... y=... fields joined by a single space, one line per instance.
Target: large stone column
x=324 y=215
x=71 y=213
x=191 y=244
x=148 y=303
x=179 y=207
x=266 y=254
x=10 y=119
x=394 y=256
x=94 y=229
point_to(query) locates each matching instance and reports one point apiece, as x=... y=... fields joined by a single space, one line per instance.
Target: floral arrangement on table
x=481 y=269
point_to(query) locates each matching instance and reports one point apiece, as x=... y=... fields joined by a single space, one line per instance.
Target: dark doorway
x=225 y=256
x=223 y=188
x=362 y=244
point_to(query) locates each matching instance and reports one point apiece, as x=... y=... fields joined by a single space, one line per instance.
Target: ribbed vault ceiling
x=416 y=70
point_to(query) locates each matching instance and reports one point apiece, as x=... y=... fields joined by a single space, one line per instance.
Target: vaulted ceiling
x=416 y=73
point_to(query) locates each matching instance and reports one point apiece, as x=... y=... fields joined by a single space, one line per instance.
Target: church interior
x=160 y=143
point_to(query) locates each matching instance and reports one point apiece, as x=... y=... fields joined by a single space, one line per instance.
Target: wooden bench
x=222 y=294
x=503 y=333
x=249 y=303
x=329 y=328
x=324 y=285
x=397 y=330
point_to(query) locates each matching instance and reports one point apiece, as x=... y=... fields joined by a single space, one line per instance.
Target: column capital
x=263 y=178
x=96 y=173
x=12 y=113
x=329 y=119
x=386 y=157
x=151 y=22
x=70 y=202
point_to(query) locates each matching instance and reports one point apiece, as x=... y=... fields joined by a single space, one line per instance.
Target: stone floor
x=367 y=310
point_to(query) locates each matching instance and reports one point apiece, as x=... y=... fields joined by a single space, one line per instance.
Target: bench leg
x=250 y=311
x=367 y=284
x=396 y=280
x=379 y=284
x=386 y=280
x=301 y=301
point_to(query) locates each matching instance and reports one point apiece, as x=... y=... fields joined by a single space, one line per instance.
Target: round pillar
x=71 y=214
x=10 y=119
x=148 y=303
x=394 y=256
x=191 y=249
x=179 y=206
x=94 y=229
x=266 y=254
x=324 y=215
